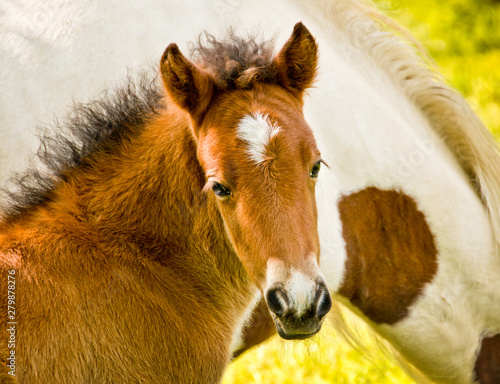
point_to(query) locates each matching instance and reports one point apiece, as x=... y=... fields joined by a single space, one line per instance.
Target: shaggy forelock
x=235 y=62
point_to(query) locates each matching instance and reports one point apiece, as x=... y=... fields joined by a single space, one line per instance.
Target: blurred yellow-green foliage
x=463 y=37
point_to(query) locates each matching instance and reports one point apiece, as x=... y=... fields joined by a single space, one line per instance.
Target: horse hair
x=235 y=62
x=98 y=126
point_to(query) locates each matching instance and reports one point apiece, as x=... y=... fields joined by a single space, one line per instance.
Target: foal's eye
x=315 y=169
x=220 y=190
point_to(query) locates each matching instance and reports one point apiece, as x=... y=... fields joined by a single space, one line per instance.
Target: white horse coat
x=371 y=111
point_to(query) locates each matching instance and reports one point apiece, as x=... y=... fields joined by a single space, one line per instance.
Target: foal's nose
x=281 y=304
x=299 y=314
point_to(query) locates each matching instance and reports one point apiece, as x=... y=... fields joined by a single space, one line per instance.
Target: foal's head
x=261 y=164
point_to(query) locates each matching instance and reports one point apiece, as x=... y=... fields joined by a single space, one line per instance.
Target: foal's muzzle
x=298 y=316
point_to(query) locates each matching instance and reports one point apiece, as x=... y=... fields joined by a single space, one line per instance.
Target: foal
x=141 y=261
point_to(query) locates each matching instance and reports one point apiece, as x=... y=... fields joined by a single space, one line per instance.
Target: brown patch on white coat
x=487 y=367
x=391 y=253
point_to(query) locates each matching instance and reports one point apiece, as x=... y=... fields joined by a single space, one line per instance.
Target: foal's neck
x=153 y=184
x=148 y=193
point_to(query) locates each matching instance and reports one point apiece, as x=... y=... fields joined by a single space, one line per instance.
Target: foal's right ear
x=188 y=86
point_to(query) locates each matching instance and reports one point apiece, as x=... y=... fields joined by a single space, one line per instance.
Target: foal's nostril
x=277 y=301
x=323 y=303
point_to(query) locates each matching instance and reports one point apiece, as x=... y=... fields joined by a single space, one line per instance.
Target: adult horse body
x=140 y=260
x=408 y=208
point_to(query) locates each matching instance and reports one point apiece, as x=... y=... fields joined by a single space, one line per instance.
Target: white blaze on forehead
x=257 y=131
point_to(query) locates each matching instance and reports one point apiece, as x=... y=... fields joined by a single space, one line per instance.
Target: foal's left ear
x=190 y=87
x=297 y=60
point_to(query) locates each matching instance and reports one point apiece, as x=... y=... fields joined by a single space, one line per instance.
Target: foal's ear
x=297 y=60
x=190 y=87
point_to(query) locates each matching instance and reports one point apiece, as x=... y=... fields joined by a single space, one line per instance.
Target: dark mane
x=235 y=62
x=96 y=126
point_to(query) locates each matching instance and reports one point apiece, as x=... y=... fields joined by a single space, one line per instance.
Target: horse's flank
x=449 y=114
x=472 y=146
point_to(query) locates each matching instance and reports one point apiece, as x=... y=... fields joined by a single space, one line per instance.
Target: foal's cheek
x=233 y=229
x=314 y=223
x=252 y=259
x=227 y=211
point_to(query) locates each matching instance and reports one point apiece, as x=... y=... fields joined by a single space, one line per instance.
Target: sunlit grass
x=324 y=359
x=463 y=36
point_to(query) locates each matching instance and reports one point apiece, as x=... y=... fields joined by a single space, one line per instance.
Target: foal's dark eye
x=315 y=169
x=220 y=190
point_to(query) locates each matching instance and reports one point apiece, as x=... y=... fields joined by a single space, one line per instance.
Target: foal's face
x=261 y=165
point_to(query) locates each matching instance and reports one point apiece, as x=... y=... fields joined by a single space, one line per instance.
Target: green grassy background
x=463 y=37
